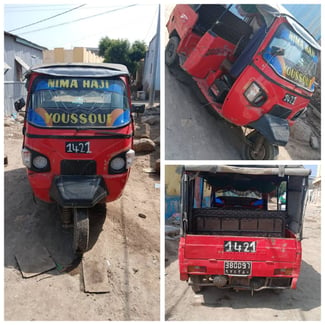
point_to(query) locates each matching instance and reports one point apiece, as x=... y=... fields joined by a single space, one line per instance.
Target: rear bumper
x=264 y=271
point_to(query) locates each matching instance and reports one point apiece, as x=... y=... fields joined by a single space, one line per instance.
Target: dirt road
x=227 y=305
x=128 y=245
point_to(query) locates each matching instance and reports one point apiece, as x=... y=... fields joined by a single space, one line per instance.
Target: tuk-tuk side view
x=255 y=65
x=77 y=138
x=241 y=227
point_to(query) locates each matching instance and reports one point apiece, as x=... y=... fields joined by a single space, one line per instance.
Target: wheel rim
x=80 y=230
x=260 y=155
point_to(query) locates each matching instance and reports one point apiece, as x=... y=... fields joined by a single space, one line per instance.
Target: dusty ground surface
x=125 y=242
x=192 y=133
x=227 y=305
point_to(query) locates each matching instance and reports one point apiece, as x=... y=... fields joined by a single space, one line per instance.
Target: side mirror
x=19 y=104
x=138 y=108
x=277 y=51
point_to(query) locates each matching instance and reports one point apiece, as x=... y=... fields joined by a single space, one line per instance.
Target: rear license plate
x=237 y=268
x=77 y=147
x=239 y=246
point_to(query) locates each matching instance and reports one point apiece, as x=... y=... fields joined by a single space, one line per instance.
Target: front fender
x=78 y=191
x=274 y=129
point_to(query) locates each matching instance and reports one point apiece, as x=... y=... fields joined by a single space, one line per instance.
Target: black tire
x=80 y=230
x=267 y=151
x=171 y=56
x=195 y=283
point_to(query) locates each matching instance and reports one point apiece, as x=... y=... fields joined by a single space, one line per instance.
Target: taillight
x=196 y=269
x=284 y=271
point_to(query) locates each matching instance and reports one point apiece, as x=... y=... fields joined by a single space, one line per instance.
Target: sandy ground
x=125 y=242
x=227 y=305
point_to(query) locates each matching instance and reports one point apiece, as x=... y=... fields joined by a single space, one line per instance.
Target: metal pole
x=155 y=63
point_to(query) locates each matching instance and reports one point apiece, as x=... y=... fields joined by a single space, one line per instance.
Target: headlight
x=255 y=94
x=26 y=156
x=121 y=163
x=35 y=161
x=117 y=164
x=40 y=162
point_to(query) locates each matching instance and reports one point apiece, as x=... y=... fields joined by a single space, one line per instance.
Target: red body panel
x=236 y=107
x=271 y=254
x=182 y=20
x=102 y=150
x=208 y=55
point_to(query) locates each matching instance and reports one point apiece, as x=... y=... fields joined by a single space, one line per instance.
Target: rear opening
x=221 y=21
x=244 y=207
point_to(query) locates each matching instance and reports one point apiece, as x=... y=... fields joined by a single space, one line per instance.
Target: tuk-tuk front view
x=254 y=64
x=236 y=233
x=78 y=133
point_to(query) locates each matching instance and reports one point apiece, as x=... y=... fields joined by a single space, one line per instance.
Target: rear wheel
x=258 y=148
x=195 y=279
x=171 y=56
x=80 y=230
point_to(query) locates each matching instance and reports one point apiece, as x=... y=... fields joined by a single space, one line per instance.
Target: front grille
x=280 y=111
x=78 y=167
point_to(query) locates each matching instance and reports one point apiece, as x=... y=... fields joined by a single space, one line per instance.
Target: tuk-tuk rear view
x=242 y=226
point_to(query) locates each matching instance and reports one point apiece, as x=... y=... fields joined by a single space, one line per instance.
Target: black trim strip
x=277 y=83
x=78 y=137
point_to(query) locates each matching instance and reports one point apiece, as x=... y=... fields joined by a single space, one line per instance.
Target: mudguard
x=273 y=128
x=78 y=191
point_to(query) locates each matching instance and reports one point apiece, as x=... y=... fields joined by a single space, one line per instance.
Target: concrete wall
x=150 y=60
x=77 y=54
x=17 y=51
x=172 y=190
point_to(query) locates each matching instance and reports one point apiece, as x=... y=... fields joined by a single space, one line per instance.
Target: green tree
x=121 y=51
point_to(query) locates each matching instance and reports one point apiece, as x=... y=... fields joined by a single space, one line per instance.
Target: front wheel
x=171 y=56
x=80 y=229
x=258 y=148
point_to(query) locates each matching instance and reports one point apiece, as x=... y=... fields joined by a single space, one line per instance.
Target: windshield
x=79 y=102
x=292 y=57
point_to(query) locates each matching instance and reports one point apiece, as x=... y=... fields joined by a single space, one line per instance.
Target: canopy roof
x=91 y=70
x=289 y=170
x=264 y=179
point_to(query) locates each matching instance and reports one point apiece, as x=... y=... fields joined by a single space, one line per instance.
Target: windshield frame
x=78 y=113
x=313 y=48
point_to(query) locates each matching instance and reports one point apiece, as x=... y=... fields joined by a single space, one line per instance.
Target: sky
x=115 y=20
x=313 y=169
x=309 y=16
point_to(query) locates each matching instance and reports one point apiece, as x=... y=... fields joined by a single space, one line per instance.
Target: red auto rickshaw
x=254 y=64
x=77 y=138
x=236 y=233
